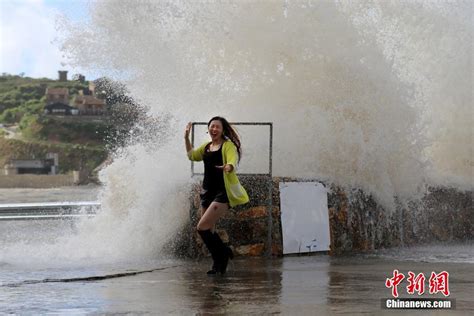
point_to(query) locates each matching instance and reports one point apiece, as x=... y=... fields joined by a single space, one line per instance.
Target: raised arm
x=193 y=154
x=187 y=142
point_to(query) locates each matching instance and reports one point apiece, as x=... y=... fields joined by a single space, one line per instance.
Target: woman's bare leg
x=211 y=215
x=205 y=227
x=203 y=211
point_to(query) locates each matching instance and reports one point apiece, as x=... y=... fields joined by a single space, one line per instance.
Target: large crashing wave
x=370 y=95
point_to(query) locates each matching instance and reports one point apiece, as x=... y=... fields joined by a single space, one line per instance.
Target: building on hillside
x=89 y=105
x=85 y=103
x=57 y=95
x=59 y=108
x=49 y=165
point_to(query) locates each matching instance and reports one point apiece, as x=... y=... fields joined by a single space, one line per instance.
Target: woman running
x=221 y=188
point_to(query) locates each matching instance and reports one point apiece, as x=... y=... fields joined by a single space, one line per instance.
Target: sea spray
x=345 y=106
x=138 y=217
x=429 y=46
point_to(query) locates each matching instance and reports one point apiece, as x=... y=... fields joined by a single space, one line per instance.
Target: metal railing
x=47 y=210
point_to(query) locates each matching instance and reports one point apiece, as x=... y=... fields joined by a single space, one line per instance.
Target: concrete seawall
x=357 y=222
x=36 y=181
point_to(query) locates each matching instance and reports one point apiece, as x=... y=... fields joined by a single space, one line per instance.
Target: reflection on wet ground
x=309 y=285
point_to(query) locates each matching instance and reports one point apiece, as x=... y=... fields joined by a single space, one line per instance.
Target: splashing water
x=372 y=95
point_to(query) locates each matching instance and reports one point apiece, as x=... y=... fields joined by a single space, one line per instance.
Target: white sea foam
x=372 y=95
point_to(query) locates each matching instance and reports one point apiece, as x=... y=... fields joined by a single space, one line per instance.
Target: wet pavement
x=300 y=285
x=309 y=285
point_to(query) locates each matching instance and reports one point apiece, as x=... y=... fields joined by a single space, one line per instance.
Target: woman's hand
x=226 y=167
x=187 y=130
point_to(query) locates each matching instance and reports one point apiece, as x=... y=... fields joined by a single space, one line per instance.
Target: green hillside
x=26 y=132
x=23 y=95
x=79 y=142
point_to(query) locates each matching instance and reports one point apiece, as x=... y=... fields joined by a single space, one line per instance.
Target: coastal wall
x=357 y=222
x=36 y=181
x=43 y=181
x=247 y=228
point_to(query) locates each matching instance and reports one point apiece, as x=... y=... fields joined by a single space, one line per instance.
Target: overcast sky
x=28 y=29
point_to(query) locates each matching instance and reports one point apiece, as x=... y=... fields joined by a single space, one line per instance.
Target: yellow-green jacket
x=235 y=191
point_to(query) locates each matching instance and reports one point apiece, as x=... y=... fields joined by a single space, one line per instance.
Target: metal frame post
x=270 y=196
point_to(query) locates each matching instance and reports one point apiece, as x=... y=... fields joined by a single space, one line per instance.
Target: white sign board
x=304 y=217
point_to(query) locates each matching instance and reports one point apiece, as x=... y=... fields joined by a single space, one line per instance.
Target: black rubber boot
x=209 y=241
x=224 y=253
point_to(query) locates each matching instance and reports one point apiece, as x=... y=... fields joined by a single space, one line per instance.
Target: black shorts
x=209 y=196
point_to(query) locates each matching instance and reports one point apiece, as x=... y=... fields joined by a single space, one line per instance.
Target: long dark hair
x=228 y=132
